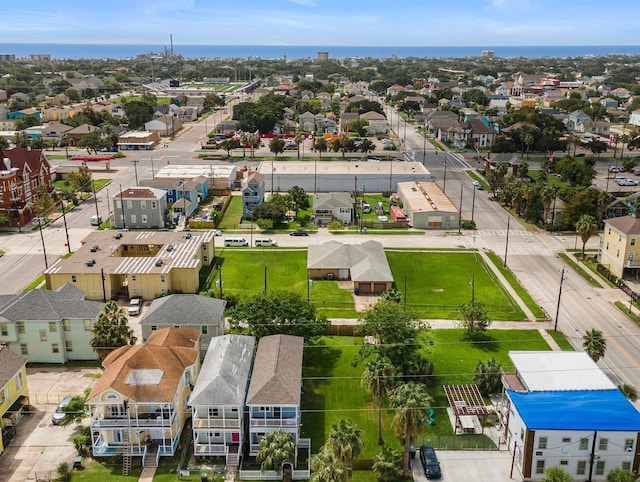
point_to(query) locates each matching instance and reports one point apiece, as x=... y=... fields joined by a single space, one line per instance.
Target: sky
x=325 y=22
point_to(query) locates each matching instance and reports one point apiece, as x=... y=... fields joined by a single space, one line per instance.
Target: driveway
x=460 y=465
x=40 y=446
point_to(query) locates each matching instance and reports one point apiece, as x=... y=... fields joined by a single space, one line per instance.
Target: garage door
x=365 y=288
x=379 y=287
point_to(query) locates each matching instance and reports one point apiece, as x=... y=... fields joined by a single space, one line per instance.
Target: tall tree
x=377 y=378
x=111 y=330
x=299 y=198
x=488 y=377
x=276 y=145
x=474 y=318
x=347 y=442
x=82 y=180
x=586 y=227
x=274 y=448
x=320 y=145
x=43 y=203
x=412 y=403
x=594 y=344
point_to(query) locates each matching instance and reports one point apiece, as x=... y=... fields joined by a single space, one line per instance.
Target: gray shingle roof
x=277 y=371
x=67 y=302
x=625 y=224
x=224 y=375
x=10 y=364
x=332 y=200
x=185 y=309
x=366 y=261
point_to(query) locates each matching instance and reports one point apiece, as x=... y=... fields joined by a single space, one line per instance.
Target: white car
x=477 y=185
x=216 y=232
x=135 y=306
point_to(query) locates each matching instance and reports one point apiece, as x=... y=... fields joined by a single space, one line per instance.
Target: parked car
x=135 y=306
x=615 y=169
x=477 y=185
x=59 y=415
x=430 y=462
x=373 y=159
x=299 y=232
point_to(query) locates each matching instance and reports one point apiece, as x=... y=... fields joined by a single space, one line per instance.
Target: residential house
x=427 y=206
x=307 y=121
x=377 y=122
x=253 y=191
x=139 y=406
x=364 y=264
x=273 y=398
x=218 y=399
x=78 y=133
x=634 y=119
x=14 y=393
x=619 y=249
x=393 y=90
x=621 y=93
x=21 y=173
x=89 y=82
x=49 y=326
x=183 y=197
x=227 y=127
x=135 y=264
x=332 y=206
x=191 y=311
x=19 y=114
x=4 y=112
x=600 y=128
x=139 y=207
x=576 y=118
x=164 y=124
x=588 y=427
x=482 y=135
x=55 y=131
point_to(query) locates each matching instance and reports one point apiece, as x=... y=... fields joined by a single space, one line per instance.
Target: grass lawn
x=286 y=270
x=99 y=470
x=561 y=340
x=578 y=269
x=232 y=214
x=438 y=283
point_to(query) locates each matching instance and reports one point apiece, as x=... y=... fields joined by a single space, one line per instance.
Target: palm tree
x=386 y=464
x=586 y=226
x=377 y=378
x=557 y=474
x=320 y=145
x=547 y=196
x=573 y=140
x=594 y=344
x=412 y=403
x=274 y=448
x=620 y=475
x=326 y=467
x=299 y=140
x=111 y=330
x=346 y=442
x=629 y=391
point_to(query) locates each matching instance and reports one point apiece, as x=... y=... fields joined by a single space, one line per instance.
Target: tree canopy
x=111 y=330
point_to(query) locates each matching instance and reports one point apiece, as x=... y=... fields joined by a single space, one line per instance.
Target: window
x=626 y=466
x=617 y=253
x=153 y=205
x=163 y=278
x=3 y=330
x=74 y=278
x=603 y=444
x=205 y=259
x=129 y=204
x=143 y=204
x=20 y=327
x=607 y=247
x=539 y=466
x=566 y=440
x=53 y=327
x=582 y=467
x=134 y=277
x=564 y=462
x=43 y=334
x=600 y=467
x=521 y=434
x=66 y=325
x=154 y=327
x=118 y=206
x=2 y=397
x=87 y=325
x=628 y=444
x=204 y=329
x=24 y=349
x=18 y=381
x=68 y=345
x=584 y=444
x=542 y=443
x=609 y=231
x=633 y=241
x=213 y=412
x=134 y=219
x=55 y=348
x=204 y=247
x=143 y=218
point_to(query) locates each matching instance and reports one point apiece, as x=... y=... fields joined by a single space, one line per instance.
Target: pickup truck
x=135 y=306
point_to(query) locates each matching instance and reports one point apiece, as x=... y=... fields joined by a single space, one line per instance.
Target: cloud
x=305 y=3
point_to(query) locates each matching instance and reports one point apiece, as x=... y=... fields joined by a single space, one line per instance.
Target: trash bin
x=77 y=463
x=356 y=291
x=204 y=477
x=412 y=452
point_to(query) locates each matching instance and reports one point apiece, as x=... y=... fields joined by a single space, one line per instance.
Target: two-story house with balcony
x=218 y=398
x=49 y=326
x=252 y=194
x=14 y=394
x=138 y=406
x=332 y=206
x=139 y=207
x=619 y=249
x=273 y=400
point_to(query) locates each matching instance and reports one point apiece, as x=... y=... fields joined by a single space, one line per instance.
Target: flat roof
x=135 y=135
x=183 y=253
x=320 y=168
x=425 y=197
x=559 y=370
x=178 y=171
x=602 y=410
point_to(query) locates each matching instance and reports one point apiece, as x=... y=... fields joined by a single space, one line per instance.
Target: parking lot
x=458 y=465
x=40 y=446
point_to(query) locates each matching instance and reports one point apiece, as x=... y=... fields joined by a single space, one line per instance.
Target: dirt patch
x=345 y=285
x=363 y=303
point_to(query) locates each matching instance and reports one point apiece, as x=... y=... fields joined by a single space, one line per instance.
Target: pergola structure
x=465 y=401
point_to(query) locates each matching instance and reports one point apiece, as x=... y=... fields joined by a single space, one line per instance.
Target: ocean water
x=119 y=51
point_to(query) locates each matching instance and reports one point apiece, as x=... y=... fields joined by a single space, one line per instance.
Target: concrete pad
x=460 y=465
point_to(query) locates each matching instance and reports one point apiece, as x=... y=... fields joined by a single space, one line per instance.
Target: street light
x=44 y=249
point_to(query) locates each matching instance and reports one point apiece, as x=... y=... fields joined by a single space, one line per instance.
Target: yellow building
x=135 y=264
x=14 y=395
x=619 y=250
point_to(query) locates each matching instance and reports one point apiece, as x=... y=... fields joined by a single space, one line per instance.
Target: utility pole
x=424 y=146
x=444 y=182
x=66 y=231
x=124 y=222
x=44 y=250
x=135 y=168
x=460 y=217
x=473 y=203
x=562 y=278
x=506 y=245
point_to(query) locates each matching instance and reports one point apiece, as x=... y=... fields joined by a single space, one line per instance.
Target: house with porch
x=218 y=398
x=253 y=191
x=332 y=206
x=139 y=207
x=619 y=249
x=138 y=406
x=14 y=393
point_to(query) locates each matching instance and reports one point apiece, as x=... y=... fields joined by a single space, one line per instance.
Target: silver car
x=59 y=415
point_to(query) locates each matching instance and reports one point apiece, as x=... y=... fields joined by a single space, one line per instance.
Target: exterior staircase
x=150 y=459
x=126 y=458
x=233 y=457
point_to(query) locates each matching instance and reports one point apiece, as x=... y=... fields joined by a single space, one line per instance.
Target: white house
x=634 y=119
x=332 y=206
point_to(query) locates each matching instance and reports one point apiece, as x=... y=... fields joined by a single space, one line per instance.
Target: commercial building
x=133 y=264
x=427 y=206
x=220 y=178
x=340 y=176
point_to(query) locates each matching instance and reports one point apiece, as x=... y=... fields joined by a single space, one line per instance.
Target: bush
x=64 y=472
x=468 y=224
x=335 y=226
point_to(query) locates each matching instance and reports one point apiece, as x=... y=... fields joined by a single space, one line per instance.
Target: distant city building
x=7 y=58
x=488 y=54
x=323 y=55
x=39 y=57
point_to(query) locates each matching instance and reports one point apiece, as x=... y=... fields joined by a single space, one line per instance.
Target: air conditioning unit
x=329 y=275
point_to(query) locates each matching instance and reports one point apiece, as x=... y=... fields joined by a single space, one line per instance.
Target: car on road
x=615 y=169
x=299 y=232
x=135 y=306
x=59 y=415
x=216 y=232
x=626 y=182
x=430 y=462
x=373 y=159
x=477 y=185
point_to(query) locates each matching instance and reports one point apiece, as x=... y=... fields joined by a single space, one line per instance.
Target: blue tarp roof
x=606 y=410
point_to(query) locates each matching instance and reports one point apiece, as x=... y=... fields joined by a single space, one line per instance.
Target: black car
x=430 y=462
x=299 y=232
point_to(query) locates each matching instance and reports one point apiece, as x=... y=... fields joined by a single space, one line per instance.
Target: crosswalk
x=503 y=232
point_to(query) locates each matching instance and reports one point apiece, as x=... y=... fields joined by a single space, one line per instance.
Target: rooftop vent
x=158 y=262
x=95 y=248
x=170 y=248
x=91 y=262
x=118 y=236
x=188 y=236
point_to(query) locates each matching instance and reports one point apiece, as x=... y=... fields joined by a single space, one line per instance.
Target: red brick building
x=21 y=173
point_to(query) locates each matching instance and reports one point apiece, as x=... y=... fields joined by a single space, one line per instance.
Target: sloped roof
x=187 y=309
x=20 y=157
x=66 y=302
x=168 y=353
x=10 y=364
x=277 y=371
x=625 y=224
x=224 y=375
x=332 y=200
x=372 y=115
x=366 y=261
